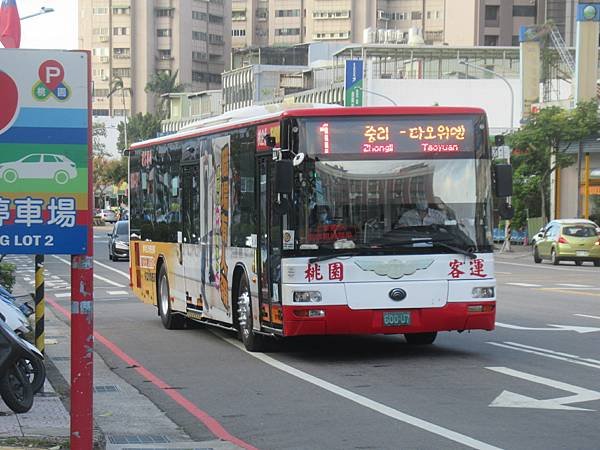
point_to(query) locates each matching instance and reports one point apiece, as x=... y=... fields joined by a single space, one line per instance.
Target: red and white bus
x=318 y=220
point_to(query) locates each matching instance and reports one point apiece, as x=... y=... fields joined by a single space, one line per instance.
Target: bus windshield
x=395 y=200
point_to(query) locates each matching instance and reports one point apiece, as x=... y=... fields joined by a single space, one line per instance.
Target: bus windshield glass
x=402 y=194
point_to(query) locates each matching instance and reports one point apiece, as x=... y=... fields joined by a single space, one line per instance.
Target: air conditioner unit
x=380 y=14
x=104 y=59
x=104 y=77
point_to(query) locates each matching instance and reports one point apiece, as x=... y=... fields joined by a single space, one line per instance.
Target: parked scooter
x=15 y=387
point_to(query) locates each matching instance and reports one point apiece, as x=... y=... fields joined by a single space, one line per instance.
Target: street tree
x=139 y=127
x=163 y=82
x=543 y=145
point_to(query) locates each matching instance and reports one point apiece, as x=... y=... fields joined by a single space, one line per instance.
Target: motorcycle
x=21 y=370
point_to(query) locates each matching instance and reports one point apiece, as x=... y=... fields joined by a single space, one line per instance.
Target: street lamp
x=379 y=95
x=512 y=94
x=43 y=10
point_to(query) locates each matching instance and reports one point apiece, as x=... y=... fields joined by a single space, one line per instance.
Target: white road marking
x=509 y=399
x=62 y=294
x=503 y=273
x=586 y=315
x=588 y=362
x=117 y=292
x=554 y=328
x=106 y=280
x=525 y=284
x=120 y=272
x=574 y=285
x=580 y=270
x=364 y=401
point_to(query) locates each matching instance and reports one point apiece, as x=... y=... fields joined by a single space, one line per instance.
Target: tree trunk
x=543 y=196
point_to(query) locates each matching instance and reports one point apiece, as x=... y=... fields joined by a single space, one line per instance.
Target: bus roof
x=254 y=115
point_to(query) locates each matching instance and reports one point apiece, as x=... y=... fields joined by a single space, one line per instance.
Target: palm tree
x=163 y=82
x=118 y=85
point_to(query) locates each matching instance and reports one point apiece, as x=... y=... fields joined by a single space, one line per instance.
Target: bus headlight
x=307 y=296
x=483 y=292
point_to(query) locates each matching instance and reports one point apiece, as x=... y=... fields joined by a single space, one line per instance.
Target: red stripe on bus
x=210 y=422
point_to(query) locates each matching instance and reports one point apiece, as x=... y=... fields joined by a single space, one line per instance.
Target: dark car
x=118 y=241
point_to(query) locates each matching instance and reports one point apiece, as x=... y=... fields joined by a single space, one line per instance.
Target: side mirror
x=504 y=180
x=284 y=176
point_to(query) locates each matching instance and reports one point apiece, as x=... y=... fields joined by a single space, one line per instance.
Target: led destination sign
x=391 y=135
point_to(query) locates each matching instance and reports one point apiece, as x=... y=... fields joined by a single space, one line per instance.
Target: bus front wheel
x=169 y=320
x=420 y=338
x=252 y=341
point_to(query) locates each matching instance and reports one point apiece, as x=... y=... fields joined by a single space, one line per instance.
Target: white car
x=108 y=215
x=39 y=166
x=13 y=317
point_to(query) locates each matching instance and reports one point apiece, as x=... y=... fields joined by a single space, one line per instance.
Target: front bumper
x=340 y=319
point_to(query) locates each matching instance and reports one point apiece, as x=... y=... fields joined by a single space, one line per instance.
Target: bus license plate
x=396 y=318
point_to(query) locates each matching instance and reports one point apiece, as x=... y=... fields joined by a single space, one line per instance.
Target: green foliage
x=540 y=147
x=163 y=82
x=108 y=173
x=139 y=127
x=7 y=275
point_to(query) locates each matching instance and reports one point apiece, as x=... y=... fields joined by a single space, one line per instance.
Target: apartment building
x=133 y=40
x=497 y=22
x=286 y=22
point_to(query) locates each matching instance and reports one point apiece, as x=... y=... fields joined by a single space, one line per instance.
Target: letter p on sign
x=51 y=73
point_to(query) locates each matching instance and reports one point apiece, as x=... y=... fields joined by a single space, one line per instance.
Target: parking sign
x=44 y=152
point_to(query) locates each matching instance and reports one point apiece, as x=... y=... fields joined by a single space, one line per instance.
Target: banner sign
x=45 y=140
x=353 y=82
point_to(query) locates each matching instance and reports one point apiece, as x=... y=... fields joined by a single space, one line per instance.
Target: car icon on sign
x=39 y=166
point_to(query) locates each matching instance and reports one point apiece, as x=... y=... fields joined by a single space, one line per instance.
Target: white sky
x=55 y=30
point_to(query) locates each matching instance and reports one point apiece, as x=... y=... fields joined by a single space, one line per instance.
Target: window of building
x=515 y=40
x=287 y=31
x=100 y=31
x=197 y=15
x=523 y=11
x=198 y=35
x=120 y=11
x=198 y=76
x=121 y=52
x=238 y=15
x=262 y=13
x=101 y=92
x=198 y=56
x=120 y=31
x=100 y=11
x=341 y=14
x=216 y=39
x=164 y=54
x=490 y=40
x=416 y=15
x=100 y=112
x=437 y=14
x=215 y=19
x=214 y=78
x=163 y=12
x=100 y=51
x=121 y=72
x=429 y=14
x=287 y=13
x=214 y=57
x=491 y=12
x=163 y=32
x=238 y=32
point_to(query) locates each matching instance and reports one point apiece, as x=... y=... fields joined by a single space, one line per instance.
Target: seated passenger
x=422 y=215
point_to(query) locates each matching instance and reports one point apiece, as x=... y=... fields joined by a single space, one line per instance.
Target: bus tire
x=420 y=338
x=169 y=320
x=252 y=341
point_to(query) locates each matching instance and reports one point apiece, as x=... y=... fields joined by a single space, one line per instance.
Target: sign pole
x=39 y=303
x=82 y=316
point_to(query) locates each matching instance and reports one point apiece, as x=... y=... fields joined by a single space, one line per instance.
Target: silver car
x=108 y=215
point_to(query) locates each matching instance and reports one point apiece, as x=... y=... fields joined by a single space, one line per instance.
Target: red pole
x=82 y=317
x=82 y=351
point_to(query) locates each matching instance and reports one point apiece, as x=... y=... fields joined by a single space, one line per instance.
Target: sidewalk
x=517 y=253
x=123 y=417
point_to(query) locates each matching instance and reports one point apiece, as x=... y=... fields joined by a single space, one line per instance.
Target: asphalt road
x=532 y=383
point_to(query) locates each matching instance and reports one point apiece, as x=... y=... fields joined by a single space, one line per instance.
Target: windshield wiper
x=315 y=259
x=454 y=249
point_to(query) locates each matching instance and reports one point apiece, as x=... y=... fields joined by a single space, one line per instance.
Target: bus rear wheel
x=252 y=341
x=420 y=338
x=169 y=320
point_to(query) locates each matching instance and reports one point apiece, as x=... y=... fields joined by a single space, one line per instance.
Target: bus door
x=268 y=251
x=190 y=248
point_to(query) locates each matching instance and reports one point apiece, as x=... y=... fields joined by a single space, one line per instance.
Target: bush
x=7 y=275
